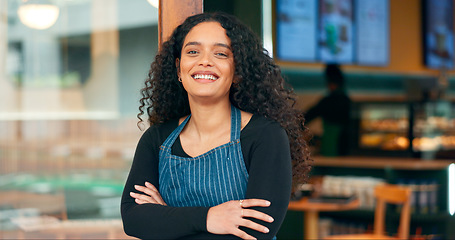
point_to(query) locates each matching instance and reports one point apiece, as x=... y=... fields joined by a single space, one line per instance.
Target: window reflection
x=68 y=103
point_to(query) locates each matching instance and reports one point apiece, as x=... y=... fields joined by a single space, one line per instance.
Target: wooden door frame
x=172 y=13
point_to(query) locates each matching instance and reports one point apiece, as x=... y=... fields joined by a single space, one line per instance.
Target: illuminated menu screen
x=296 y=30
x=372 y=32
x=339 y=31
x=438 y=33
x=335 y=31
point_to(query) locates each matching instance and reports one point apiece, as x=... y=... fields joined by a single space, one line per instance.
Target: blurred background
x=71 y=71
x=70 y=74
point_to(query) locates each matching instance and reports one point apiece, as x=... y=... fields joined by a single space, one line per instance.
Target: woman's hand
x=151 y=194
x=227 y=217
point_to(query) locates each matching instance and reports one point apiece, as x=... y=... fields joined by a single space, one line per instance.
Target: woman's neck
x=209 y=120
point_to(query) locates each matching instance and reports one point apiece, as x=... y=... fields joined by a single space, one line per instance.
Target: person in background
x=334 y=109
x=224 y=143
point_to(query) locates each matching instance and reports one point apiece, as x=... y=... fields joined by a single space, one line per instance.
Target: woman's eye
x=192 y=52
x=221 y=54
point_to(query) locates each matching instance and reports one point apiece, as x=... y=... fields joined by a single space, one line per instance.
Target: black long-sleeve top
x=334 y=108
x=266 y=153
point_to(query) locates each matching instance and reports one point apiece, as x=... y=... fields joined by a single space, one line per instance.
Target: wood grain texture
x=172 y=13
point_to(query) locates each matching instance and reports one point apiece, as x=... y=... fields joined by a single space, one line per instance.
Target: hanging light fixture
x=154 y=3
x=38 y=15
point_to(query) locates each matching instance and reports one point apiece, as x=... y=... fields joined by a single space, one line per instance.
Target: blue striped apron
x=210 y=179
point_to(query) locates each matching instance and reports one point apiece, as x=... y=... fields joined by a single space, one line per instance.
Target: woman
x=216 y=161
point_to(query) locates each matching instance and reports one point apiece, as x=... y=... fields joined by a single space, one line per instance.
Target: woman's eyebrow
x=223 y=45
x=216 y=44
x=192 y=43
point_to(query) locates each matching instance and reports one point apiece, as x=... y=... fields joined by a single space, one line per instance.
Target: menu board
x=438 y=33
x=336 y=31
x=296 y=30
x=372 y=43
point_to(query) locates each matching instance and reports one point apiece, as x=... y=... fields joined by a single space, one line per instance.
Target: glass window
x=70 y=75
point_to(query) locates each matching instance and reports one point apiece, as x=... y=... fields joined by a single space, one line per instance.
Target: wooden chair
x=383 y=194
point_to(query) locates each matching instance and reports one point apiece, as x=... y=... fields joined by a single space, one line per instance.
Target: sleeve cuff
x=200 y=219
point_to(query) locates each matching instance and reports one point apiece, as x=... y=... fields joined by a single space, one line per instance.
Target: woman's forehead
x=207 y=33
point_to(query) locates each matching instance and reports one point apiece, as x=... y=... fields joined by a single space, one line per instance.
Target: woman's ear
x=177 y=65
x=235 y=81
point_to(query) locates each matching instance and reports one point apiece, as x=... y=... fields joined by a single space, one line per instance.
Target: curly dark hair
x=259 y=87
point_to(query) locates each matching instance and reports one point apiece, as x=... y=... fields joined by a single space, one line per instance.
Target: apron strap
x=171 y=139
x=236 y=121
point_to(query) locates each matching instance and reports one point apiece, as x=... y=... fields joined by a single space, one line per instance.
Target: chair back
x=392 y=194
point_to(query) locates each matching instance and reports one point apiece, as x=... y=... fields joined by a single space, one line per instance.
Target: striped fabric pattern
x=212 y=178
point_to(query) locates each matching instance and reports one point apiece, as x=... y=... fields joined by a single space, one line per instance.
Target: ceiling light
x=38 y=16
x=154 y=3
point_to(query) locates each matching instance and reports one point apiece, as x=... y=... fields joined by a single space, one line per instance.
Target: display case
x=432 y=204
x=433 y=133
x=410 y=129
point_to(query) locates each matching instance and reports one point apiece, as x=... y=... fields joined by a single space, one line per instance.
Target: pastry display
x=387 y=129
x=401 y=124
x=434 y=143
x=387 y=142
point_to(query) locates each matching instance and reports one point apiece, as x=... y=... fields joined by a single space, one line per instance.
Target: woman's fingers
x=156 y=193
x=151 y=186
x=255 y=226
x=143 y=189
x=151 y=191
x=227 y=217
x=142 y=198
x=139 y=201
x=246 y=203
x=241 y=234
x=258 y=215
x=145 y=199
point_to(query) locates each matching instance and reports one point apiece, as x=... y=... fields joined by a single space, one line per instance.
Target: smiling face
x=206 y=66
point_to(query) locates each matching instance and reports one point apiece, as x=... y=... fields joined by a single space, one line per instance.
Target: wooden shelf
x=363 y=214
x=380 y=163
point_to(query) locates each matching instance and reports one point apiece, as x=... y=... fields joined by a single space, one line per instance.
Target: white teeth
x=210 y=77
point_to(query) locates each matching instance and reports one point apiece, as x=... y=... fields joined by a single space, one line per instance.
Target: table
x=45 y=203
x=311 y=213
x=66 y=229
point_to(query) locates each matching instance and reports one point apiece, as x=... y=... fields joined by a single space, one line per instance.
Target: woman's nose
x=206 y=60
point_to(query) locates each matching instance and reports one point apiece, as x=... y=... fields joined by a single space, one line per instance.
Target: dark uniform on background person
x=334 y=109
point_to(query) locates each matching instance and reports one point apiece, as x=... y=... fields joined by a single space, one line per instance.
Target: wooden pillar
x=172 y=13
x=104 y=51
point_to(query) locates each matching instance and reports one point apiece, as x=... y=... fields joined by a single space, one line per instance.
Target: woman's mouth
x=205 y=76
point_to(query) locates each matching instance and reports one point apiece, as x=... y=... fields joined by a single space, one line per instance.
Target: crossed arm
x=145 y=214
x=225 y=218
